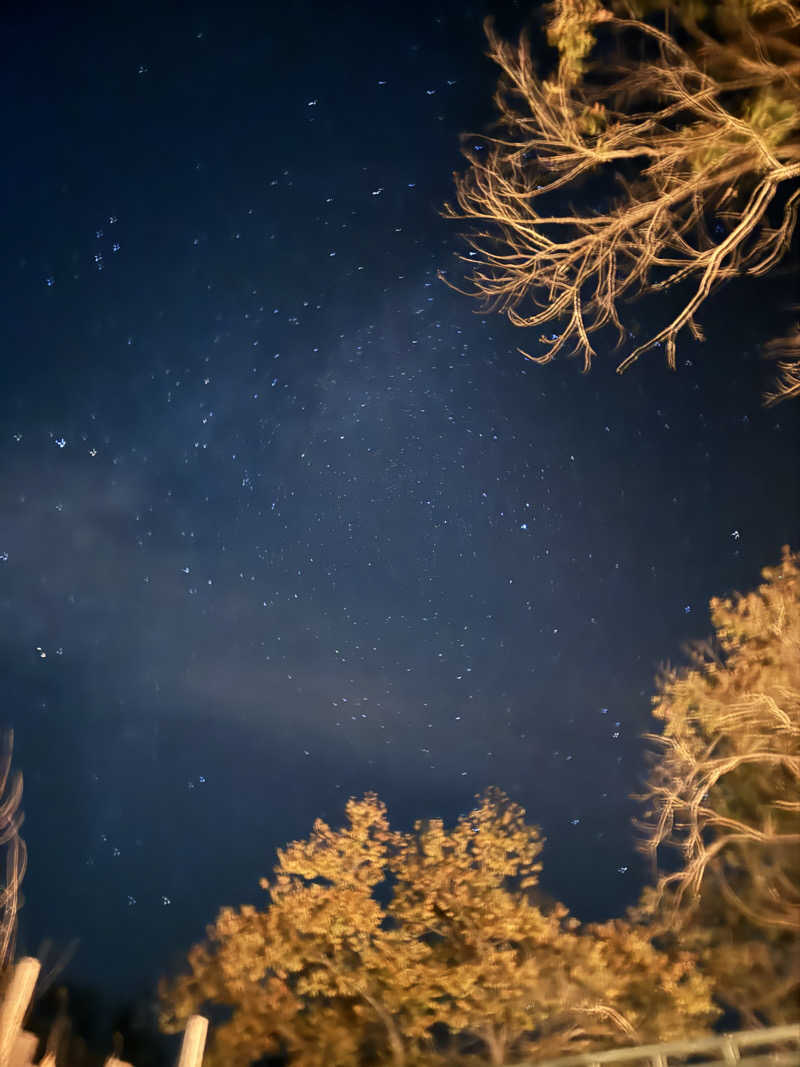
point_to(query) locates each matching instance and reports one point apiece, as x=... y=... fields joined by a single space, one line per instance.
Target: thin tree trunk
x=496 y=1043
x=392 y=1033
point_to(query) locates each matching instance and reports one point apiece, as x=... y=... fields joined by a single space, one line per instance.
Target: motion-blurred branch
x=16 y=855
x=786 y=350
x=698 y=125
x=724 y=794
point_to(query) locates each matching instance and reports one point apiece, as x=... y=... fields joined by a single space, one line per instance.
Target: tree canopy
x=459 y=960
x=686 y=118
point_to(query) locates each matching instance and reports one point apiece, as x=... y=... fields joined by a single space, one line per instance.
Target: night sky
x=284 y=518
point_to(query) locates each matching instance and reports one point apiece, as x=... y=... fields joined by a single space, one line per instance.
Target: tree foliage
x=723 y=797
x=691 y=111
x=327 y=973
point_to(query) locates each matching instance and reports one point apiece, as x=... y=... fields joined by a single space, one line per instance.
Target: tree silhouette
x=329 y=974
x=694 y=118
x=724 y=795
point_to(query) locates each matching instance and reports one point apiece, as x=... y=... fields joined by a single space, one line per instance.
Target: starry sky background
x=284 y=519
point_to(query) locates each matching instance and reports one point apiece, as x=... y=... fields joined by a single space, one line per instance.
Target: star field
x=284 y=518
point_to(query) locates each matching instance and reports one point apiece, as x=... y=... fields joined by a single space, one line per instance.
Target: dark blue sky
x=283 y=518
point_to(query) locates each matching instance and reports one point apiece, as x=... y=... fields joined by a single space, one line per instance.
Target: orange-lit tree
x=319 y=974
x=327 y=974
x=723 y=796
x=690 y=112
x=519 y=981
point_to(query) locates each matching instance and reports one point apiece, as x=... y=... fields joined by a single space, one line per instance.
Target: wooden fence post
x=17 y=998
x=194 y=1042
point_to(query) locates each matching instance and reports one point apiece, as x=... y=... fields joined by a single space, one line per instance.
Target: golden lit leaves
x=357 y=854
x=571 y=31
x=490 y=844
x=665 y=996
x=521 y=980
x=233 y=968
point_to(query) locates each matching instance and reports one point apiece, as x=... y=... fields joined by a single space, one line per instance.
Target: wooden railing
x=777 y=1046
x=18 y=1047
